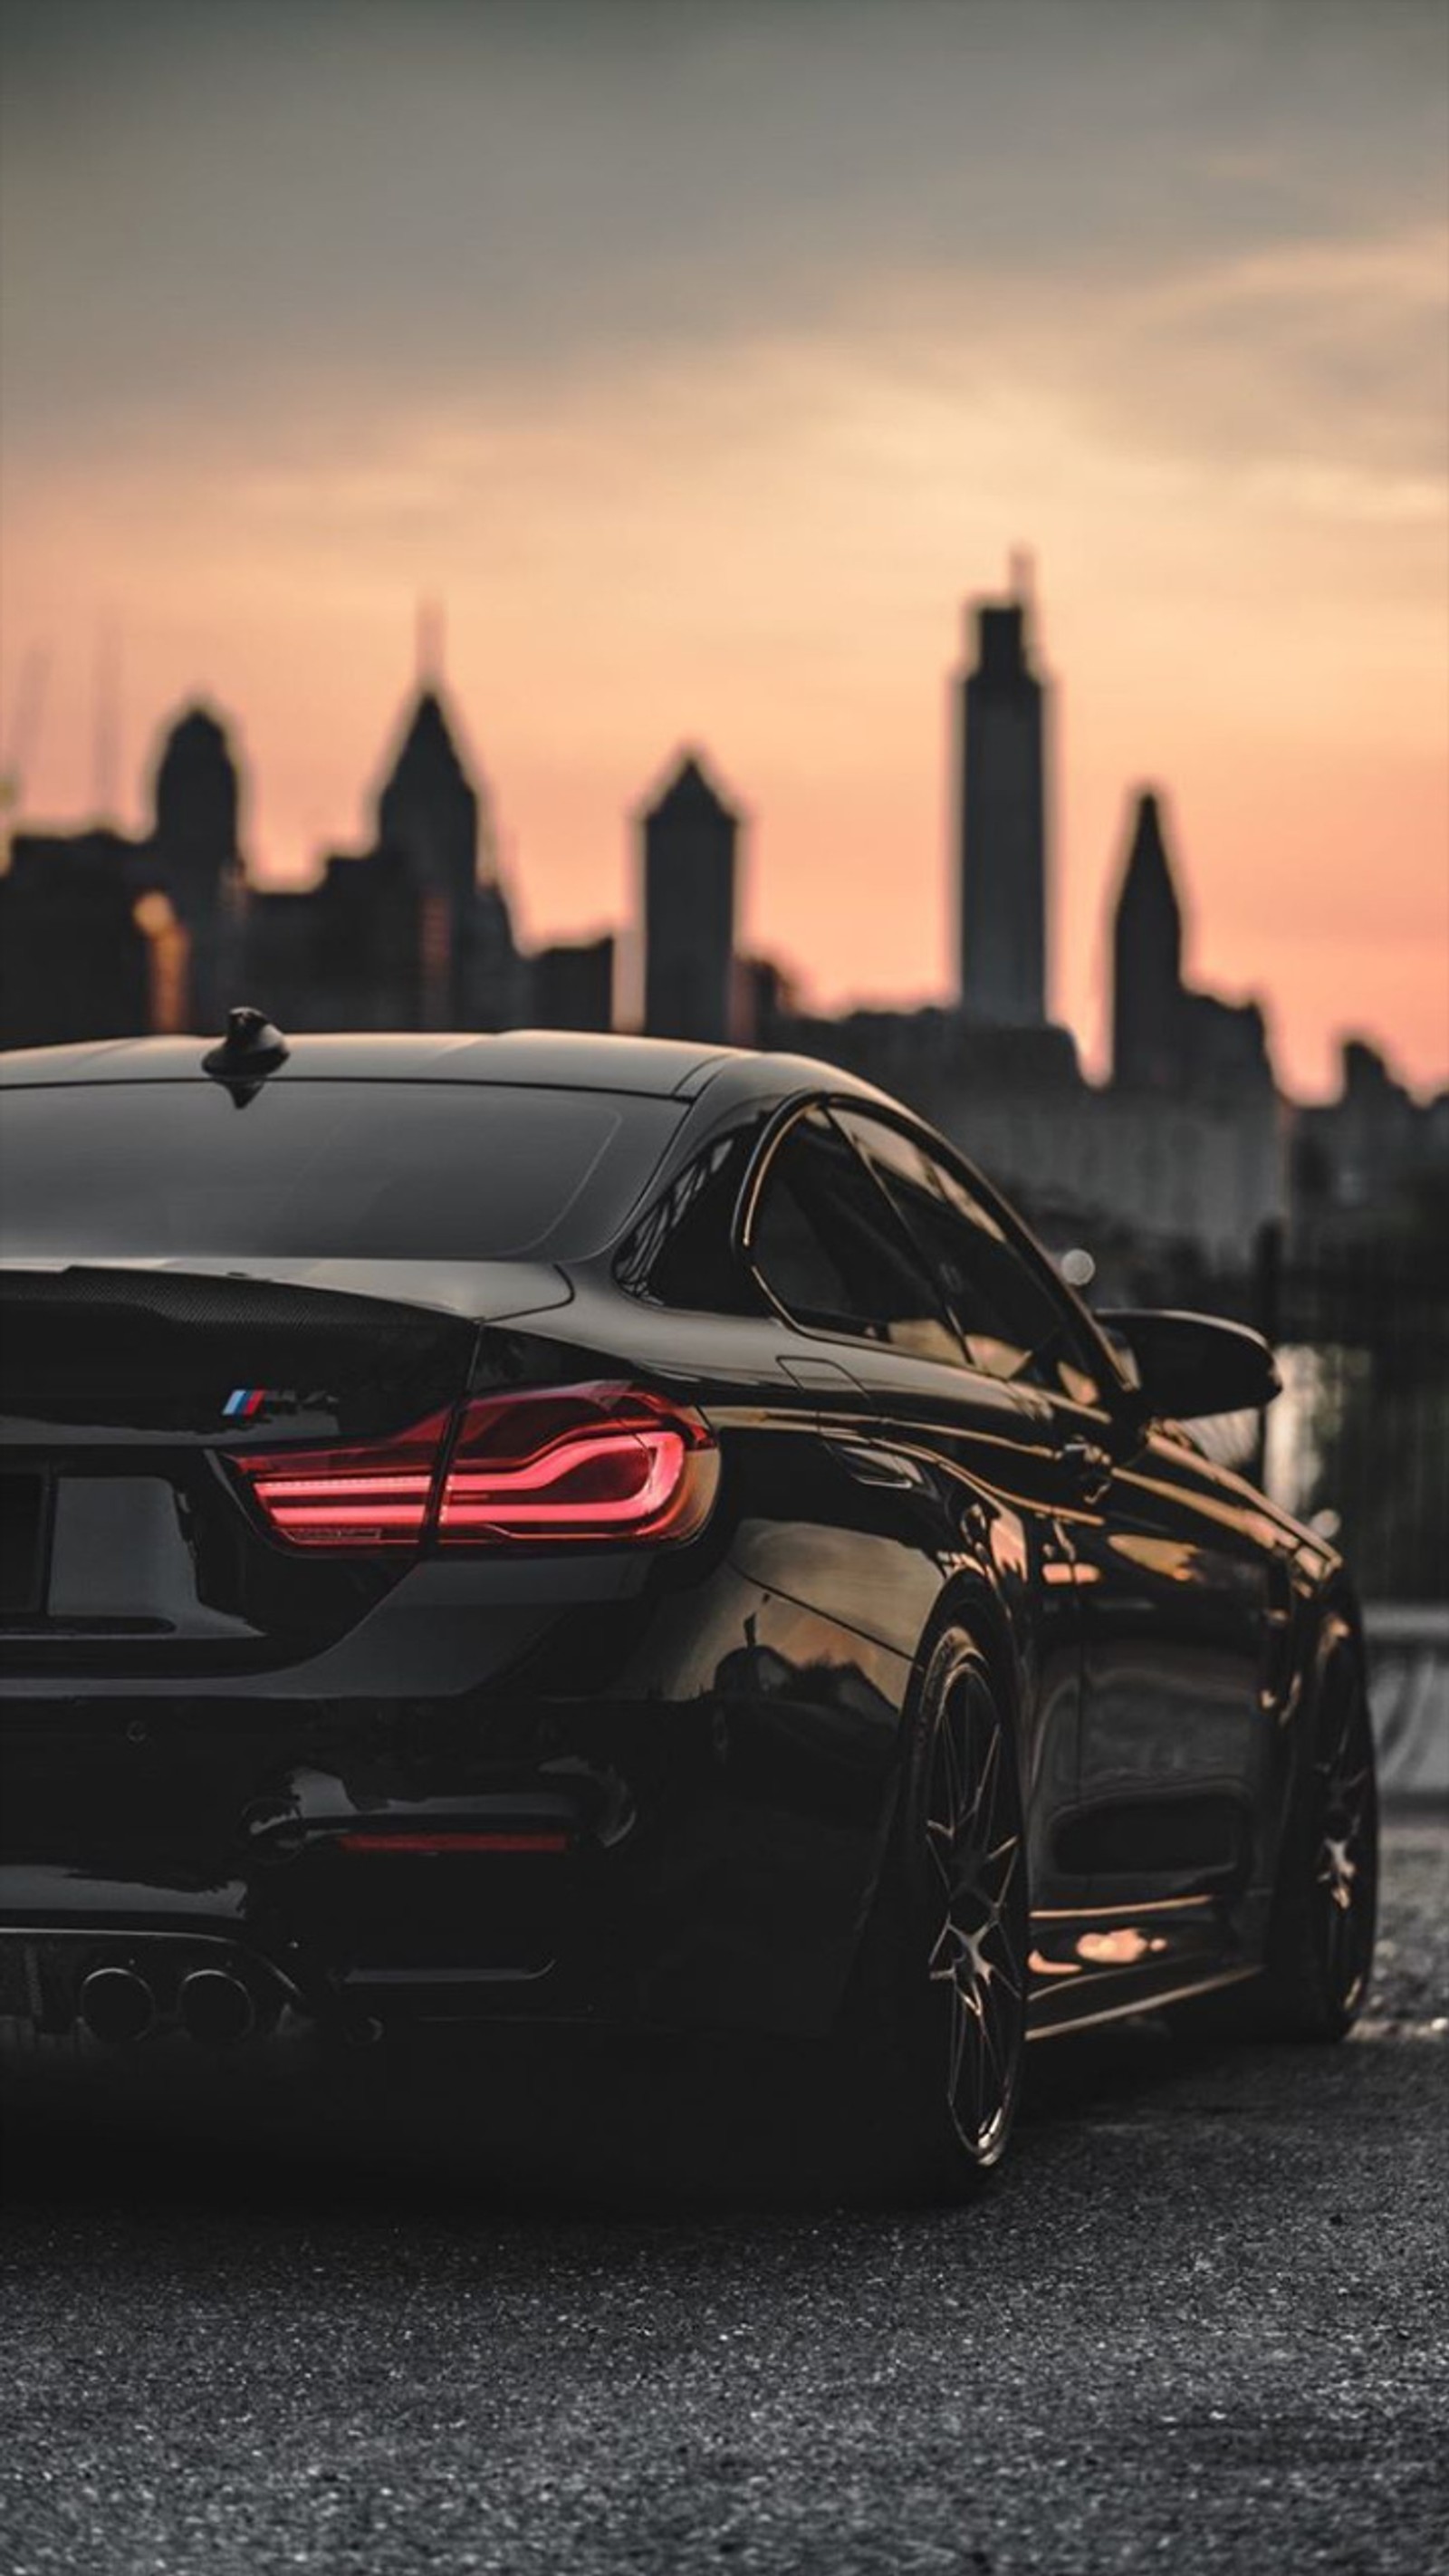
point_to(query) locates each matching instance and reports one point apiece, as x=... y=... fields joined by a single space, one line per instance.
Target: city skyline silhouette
x=1192 y=1142
x=1001 y=630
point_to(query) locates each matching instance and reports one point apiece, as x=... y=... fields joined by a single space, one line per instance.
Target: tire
x=931 y=2041
x=1320 y=1948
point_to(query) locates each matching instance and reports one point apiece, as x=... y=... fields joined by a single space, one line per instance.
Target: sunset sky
x=704 y=360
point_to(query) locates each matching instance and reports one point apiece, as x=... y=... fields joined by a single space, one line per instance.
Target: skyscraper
x=195 y=857
x=195 y=836
x=1165 y=1036
x=428 y=808
x=432 y=816
x=1148 y=1013
x=690 y=836
x=1001 y=824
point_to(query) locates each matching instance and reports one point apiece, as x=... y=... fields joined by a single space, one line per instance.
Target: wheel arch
x=969 y=1602
x=1332 y=1625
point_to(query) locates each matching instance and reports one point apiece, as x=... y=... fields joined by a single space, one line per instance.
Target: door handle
x=1088 y=1467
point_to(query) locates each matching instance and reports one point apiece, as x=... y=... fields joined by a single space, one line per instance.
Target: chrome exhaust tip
x=216 y=2007
x=115 y=2005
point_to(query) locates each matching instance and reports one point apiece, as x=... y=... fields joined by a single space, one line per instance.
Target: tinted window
x=682 y=1250
x=829 y=1246
x=368 y=1170
x=1009 y=1319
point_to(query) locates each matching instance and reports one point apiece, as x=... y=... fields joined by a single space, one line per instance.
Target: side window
x=1012 y=1324
x=681 y=1251
x=829 y=1246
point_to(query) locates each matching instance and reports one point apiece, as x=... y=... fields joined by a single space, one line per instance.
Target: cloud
x=237 y=211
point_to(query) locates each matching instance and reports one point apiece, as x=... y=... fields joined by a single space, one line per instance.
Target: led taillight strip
x=654 y=1462
x=627 y=1466
x=326 y=1510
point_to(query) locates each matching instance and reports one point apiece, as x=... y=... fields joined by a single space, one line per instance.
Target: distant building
x=1078 y=1158
x=412 y=933
x=1147 y=994
x=1168 y=1172
x=1183 y=1155
x=195 y=857
x=1368 y=1154
x=428 y=807
x=1002 y=825
x=571 y=986
x=431 y=815
x=765 y=1001
x=74 y=960
x=1166 y=1038
x=102 y=935
x=344 y=953
x=690 y=837
x=197 y=799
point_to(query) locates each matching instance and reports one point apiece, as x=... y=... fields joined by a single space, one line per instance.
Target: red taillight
x=600 y=1463
x=585 y=1463
x=377 y=1496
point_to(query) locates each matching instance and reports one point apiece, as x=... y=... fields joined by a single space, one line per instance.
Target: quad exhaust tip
x=116 y=2005
x=216 y=2007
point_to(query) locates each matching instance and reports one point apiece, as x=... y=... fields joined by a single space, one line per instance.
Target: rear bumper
x=691 y=1844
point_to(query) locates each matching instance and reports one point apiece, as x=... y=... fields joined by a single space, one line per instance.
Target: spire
x=1148 y=864
x=688 y=783
x=428 y=752
x=1147 y=1002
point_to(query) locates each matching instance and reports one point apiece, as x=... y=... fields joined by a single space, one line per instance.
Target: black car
x=590 y=1531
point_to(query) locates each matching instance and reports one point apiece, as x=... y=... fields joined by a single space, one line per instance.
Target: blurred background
x=913 y=533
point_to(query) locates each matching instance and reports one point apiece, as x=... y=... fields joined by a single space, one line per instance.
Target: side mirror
x=1191 y=1365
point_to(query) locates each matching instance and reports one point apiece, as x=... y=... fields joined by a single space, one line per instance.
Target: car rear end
x=348 y=1605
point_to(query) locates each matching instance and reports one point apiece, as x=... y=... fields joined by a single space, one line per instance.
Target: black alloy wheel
x=1319 y=1955
x=932 y=2041
x=973 y=1832
x=1344 y=1802
x=1321 y=1946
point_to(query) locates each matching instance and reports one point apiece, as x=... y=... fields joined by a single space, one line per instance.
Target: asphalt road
x=1199 y=2324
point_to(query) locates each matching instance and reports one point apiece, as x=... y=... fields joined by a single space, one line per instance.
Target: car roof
x=545 y=1059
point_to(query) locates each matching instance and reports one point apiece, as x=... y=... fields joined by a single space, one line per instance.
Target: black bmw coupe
x=598 y=1532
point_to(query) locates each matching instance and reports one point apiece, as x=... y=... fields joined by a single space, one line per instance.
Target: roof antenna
x=251 y=1049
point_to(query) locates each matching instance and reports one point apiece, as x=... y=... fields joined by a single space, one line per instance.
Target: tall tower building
x=1001 y=824
x=435 y=820
x=194 y=839
x=194 y=859
x=690 y=836
x=428 y=808
x=1149 y=1013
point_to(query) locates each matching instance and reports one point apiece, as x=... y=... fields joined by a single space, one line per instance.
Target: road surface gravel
x=1199 y=2324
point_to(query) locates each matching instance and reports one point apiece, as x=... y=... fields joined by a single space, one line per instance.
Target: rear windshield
x=386 y=1171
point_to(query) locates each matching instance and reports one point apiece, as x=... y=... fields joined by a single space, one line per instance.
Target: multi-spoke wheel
x=974 y=1843
x=932 y=2043
x=1346 y=1876
x=1321 y=1944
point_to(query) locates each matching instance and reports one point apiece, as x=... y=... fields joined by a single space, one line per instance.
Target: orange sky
x=706 y=438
